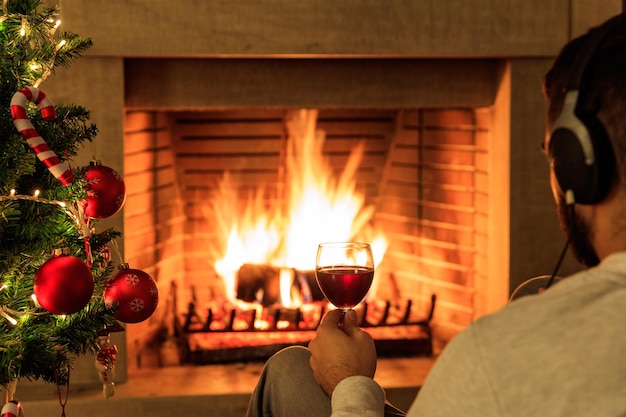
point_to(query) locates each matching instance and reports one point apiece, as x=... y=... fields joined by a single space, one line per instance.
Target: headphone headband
x=589 y=49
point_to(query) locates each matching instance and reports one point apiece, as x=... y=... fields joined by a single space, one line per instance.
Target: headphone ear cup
x=581 y=157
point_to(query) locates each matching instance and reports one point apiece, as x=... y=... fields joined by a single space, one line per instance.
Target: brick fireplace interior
x=427 y=170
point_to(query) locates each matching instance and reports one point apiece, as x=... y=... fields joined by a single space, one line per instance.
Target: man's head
x=586 y=92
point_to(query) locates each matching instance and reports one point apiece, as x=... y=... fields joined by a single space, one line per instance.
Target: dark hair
x=603 y=90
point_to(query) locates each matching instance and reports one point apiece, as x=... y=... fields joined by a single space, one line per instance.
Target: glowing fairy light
x=34 y=298
x=60 y=45
x=57 y=23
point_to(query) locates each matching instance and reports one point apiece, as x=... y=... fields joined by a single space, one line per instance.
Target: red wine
x=343 y=286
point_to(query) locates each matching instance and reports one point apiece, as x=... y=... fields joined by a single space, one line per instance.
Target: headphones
x=579 y=147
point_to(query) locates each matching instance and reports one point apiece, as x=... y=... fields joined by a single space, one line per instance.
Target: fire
x=318 y=207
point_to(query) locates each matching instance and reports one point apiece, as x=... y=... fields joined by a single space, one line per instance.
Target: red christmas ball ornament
x=63 y=284
x=106 y=191
x=135 y=294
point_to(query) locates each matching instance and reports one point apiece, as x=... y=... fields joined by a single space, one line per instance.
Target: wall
x=435 y=203
x=527 y=33
x=154 y=229
x=240 y=28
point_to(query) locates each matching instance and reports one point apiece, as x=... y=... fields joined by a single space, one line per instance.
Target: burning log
x=306 y=278
x=261 y=283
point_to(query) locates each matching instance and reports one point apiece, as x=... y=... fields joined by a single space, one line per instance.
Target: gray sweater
x=560 y=353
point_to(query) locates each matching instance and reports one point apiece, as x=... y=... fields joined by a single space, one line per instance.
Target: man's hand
x=340 y=350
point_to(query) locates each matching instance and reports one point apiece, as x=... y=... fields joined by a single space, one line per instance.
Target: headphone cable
x=569 y=196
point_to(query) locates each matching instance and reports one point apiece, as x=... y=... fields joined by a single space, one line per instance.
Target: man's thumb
x=350 y=323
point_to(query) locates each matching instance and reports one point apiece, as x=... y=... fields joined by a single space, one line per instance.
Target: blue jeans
x=287 y=388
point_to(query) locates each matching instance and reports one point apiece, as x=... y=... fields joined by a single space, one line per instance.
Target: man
x=558 y=353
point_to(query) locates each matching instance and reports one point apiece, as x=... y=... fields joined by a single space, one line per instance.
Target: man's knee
x=290 y=358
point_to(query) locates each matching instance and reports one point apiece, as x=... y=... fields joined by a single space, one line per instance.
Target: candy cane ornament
x=60 y=169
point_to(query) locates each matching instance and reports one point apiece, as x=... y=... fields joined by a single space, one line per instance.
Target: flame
x=319 y=208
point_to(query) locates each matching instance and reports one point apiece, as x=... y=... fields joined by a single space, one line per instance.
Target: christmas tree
x=55 y=268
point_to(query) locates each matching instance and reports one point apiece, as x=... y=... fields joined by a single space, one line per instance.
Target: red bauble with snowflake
x=106 y=191
x=133 y=293
x=63 y=284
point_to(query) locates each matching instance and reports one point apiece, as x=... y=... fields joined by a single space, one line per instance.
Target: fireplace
x=417 y=57
x=423 y=173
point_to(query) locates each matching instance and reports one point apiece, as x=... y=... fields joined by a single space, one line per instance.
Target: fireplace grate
x=253 y=333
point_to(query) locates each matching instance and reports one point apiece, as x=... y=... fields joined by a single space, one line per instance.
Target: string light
x=49 y=67
x=60 y=45
x=57 y=23
x=8 y=318
x=4 y=312
x=71 y=212
x=34 y=298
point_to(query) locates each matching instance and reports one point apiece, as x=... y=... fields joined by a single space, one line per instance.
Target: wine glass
x=344 y=272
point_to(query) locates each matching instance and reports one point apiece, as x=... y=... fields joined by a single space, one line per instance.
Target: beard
x=580 y=234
